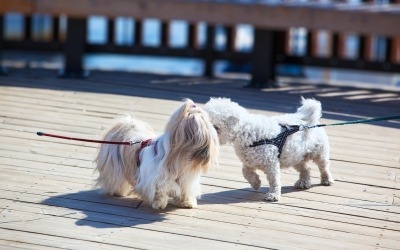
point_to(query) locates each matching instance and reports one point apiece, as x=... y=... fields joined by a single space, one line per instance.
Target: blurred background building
x=124 y=34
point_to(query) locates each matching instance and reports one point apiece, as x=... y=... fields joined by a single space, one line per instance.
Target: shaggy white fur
x=170 y=167
x=236 y=125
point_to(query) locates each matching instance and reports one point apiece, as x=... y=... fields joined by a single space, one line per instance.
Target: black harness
x=280 y=139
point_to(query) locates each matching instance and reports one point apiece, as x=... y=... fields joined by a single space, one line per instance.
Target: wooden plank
x=203 y=213
x=344 y=172
x=101 y=233
x=293 y=97
x=341 y=137
x=339 y=145
x=177 y=218
x=348 y=159
x=46 y=150
x=232 y=200
x=143 y=229
x=13 y=244
x=68 y=171
x=20 y=239
x=134 y=105
x=46 y=185
x=225 y=175
x=364 y=190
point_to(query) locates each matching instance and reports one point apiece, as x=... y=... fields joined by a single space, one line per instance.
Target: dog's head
x=193 y=139
x=225 y=116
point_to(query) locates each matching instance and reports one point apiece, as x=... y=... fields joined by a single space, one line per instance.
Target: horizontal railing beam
x=364 y=18
x=20 y=6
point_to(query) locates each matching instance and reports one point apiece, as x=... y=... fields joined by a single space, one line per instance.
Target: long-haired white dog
x=269 y=144
x=163 y=167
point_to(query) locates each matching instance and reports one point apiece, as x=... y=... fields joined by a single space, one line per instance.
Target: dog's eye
x=216 y=128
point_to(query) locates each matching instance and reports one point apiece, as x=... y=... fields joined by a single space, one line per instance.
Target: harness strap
x=280 y=139
x=144 y=144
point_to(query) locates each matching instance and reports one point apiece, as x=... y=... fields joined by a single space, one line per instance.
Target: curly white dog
x=163 y=167
x=270 y=144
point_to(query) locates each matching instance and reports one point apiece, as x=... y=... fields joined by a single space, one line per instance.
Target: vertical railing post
x=111 y=32
x=230 y=38
x=56 y=28
x=28 y=28
x=209 y=50
x=192 y=42
x=138 y=33
x=335 y=46
x=395 y=49
x=312 y=44
x=3 y=70
x=74 y=48
x=394 y=43
x=165 y=26
x=365 y=44
x=263 y=59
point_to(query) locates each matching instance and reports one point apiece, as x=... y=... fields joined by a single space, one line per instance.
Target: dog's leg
x=304 y=181
x=252 y=177
x=326 y=176
x=186 y=189
x=184 y=199
x=160 y=200
x=124 y=190
x=273 y=173
x=113 y=185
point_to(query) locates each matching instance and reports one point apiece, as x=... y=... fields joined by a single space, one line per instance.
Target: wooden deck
x=47 y=200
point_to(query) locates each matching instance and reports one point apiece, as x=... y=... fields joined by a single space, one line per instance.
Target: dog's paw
x=272 y=197
x=187 y=204
x=190 y=203
x=158 y=206
x=302 y=184
x=327 y=181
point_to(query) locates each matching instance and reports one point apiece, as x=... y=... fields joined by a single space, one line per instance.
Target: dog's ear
x=232 y=121
x=201 y=156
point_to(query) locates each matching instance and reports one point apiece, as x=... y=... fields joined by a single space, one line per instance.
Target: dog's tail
x=310 y=111
x=117 y=164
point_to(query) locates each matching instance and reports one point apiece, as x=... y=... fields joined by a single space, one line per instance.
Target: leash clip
x=133 y=142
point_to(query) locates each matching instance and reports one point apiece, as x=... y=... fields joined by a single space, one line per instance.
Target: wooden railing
x=272 y=24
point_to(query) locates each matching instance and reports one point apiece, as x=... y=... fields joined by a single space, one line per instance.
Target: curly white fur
x=169 y=168
x=236 y=125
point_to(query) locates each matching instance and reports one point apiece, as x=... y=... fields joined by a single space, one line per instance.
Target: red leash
x=129 y=143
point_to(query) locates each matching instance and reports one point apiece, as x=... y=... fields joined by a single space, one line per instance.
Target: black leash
x=280 y=139
x=384 y=118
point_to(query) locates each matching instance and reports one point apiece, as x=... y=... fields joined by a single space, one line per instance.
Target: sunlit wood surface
x=47 y=200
